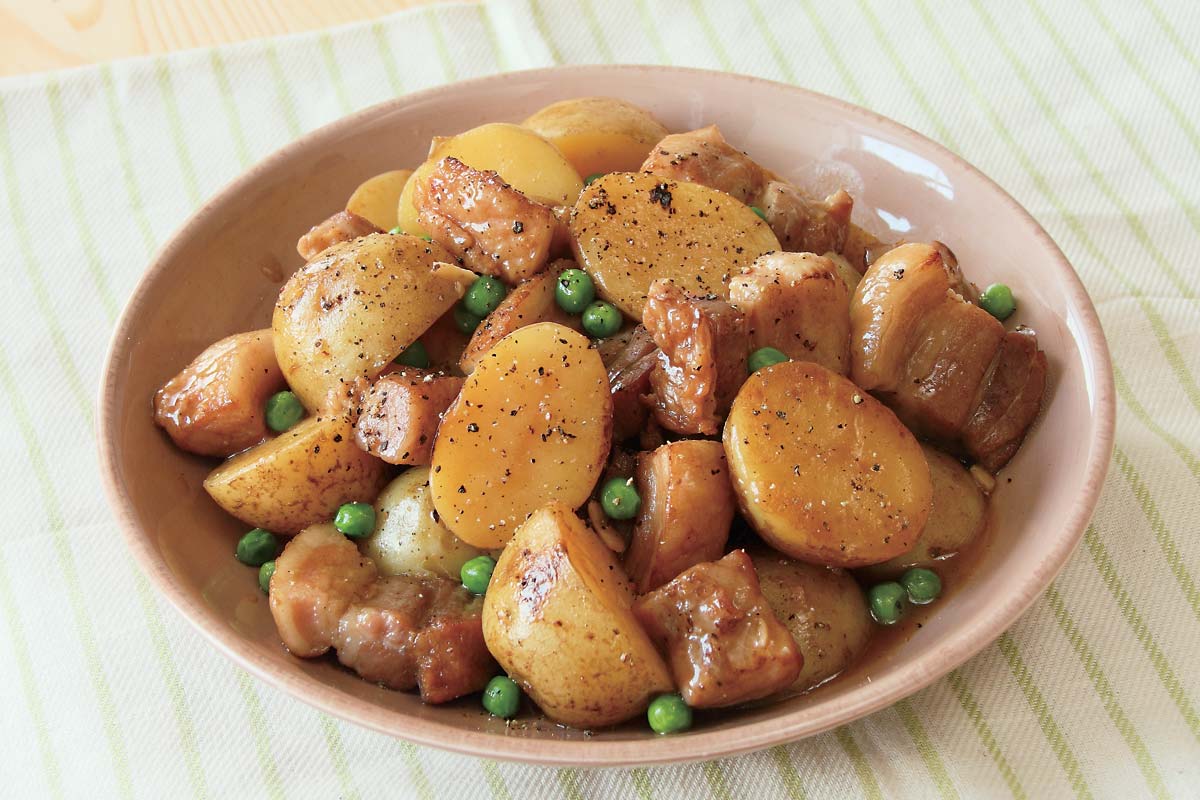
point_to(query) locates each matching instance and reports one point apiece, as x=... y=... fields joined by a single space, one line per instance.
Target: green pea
x=619 y=498
x=465 y=321
x=669 y=714
x=257 y=547
x=601 y=320
x=355 y=520
x=761 y=214
x=923 y=585
x=574 y=291
x=998 y=301
x=502 y=697
x=284 y=410
x=426 y=238
x=887 y=602
x=484 y=296
x=414 y=355
x=395 y=230
x=477 y=573
x=590 y=179
x=765 y=357
x=264 y=576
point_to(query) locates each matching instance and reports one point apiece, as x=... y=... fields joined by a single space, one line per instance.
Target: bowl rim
x=922 y=671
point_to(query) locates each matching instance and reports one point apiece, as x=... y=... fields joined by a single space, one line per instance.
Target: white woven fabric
x=1087 y=112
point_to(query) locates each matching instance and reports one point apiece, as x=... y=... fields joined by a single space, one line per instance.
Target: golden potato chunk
x=687 y=507
x=557 y=617
x=377 y=198
x=722 y=639
x=344 y=226
x=598 y=134
x=796 y=303
x=297 y=479
x=216 y=405
x=401 y=412
x=632 y=229
x=532 y=424
x=823 y=471
x=528 y=302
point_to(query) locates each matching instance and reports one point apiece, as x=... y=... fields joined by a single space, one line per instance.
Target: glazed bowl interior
x=221 y=272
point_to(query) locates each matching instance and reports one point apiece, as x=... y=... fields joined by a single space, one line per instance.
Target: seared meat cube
x=722 y=640
x=485 y=222
x=401 y=412
x=216 y=406
x=805 y=225
x=629 y=371
x=687 y=507
x=1012 y=397
x=341 y=227
x=703 y=156
x=703 y=359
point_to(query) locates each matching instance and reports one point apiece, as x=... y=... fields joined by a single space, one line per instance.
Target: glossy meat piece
x=401 y=412
x=702 y=362
x=1011 y=399
x=803 y=224
x=687 y=507
x=703 y=156
x=216 y=405
x=341 y=227
x=796 y=303
x=319 y=575
x=417 y=630
x=722 y=640
x=629 y=371
x=485 y=222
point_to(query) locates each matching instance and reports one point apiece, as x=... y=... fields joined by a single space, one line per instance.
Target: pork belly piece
x=401 y=412
x=803 y=224
x=1010 y=401
x=630 y=357
x=722 y=640
x=216 y=405
x=489 y=225
x=687 y=507
x=702 y=362
x=343 y=226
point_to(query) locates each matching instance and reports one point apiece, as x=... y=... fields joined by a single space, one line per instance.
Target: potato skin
x=598 y=134
x=347 y=314
x=823 y=471
x=824 y=609
x=297 y=479
x=557 y=617
x=630 y=229
x=532 y=424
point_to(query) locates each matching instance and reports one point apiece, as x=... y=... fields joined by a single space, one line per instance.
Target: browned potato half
x=959 y=515
x=824 y=609
x=850 y=275
x=557 y=617
x=797 y=303
x=631 y=229
x=532 y=424
x=823 y=471
x=377 y=198
x=298 y=478
x=598 y=134
x=347 y=314
x=529 y=302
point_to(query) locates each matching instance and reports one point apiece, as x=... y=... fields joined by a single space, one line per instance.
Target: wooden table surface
x=38 y=35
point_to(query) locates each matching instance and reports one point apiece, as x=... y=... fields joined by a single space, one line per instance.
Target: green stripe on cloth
x=597 y=32
x=495 y=781
x=651 y=30
x=710 y=34
x=835 y=57
x=641 y=783
x=539 y=20
x=764 y=30
x=1131 y=402
x=288 y=104
x=175 y=124
x=416 y=773
x=971 y=706
x=439 y=43
x=862 y=767
x=927 y=749
x=335 y=73
x=337 y=752
x=125 y=157
x=489 y=29
x=787 y=773
x=1185 y=49
x=390 y=68
x=568 y=781
x=257 y=718
x=714 y=774
x=221 y=74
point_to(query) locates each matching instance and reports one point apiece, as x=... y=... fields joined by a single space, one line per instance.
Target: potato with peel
x=823 y=471
x=378 y=198
x=298 y=478
x=598 y=134
x=531 y=425
x=341 y=319
x=526 y=161
x=557 y=617
x=631 y=229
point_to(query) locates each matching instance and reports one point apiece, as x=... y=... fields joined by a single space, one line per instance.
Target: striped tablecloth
x=1087 y=112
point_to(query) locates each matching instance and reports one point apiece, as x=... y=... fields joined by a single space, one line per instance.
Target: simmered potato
x=958 y=515
x=823 y=471
x=557 y=617
x=598 y=134
x=378 y=198
x=347 y=314
x=532 y=424
x=849 y=274
x=824 y=609
x=529 y=302
x=298 y=478
x=631 y=229
x=408 y=533
x=526 y=161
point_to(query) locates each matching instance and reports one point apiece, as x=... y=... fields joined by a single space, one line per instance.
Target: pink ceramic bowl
x=220 y=274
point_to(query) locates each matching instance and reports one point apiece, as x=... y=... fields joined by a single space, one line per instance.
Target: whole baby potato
x=557 y=617
x=599 y=134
